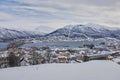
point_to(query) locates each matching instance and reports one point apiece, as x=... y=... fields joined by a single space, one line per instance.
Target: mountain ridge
x=79 y=31
x=86 y=31
x=11 y=34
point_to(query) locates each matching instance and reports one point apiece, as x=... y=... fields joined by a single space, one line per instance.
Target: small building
x=62 y=59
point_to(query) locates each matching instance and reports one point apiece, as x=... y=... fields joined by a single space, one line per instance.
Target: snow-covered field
x=92 y=70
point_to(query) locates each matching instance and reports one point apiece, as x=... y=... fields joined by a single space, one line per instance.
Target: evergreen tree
x=12 y=60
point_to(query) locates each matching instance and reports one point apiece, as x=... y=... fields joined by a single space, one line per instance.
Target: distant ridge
x=86 y=31
x=10 y=34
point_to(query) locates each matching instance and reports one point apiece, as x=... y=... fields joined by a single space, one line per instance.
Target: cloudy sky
x=58 y=13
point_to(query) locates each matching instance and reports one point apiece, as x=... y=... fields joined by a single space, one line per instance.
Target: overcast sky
x=58 y=13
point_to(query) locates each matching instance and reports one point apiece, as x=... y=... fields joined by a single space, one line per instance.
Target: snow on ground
x=92 y=70
x=117 y=59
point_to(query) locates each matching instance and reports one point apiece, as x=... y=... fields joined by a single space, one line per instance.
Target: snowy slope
x=87 y=31
x=93 y=70
x=6 y=33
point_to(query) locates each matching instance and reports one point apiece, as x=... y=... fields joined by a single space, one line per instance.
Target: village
x=17 y=56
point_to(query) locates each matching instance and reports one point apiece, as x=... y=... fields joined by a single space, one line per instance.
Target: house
x=64 y=53
x=62 y=59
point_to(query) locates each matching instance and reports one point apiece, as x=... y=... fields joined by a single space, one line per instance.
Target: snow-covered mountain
x=69 y=31
x=86 y=31
x=41 y=29
x=7 y=34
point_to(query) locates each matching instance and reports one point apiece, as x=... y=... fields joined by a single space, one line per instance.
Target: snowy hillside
x=86 y=31
x=93 y=70
x=70 y=31
x=38 y=29
x=6 y=34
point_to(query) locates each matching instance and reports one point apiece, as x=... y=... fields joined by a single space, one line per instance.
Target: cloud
x=57 y=13
x=4 y=16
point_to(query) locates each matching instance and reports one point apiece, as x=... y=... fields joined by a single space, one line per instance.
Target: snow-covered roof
x=62 y=57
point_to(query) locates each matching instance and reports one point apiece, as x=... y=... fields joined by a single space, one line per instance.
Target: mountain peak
x=91 y=25
x=86 y=31
x=7 y=34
